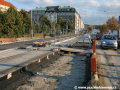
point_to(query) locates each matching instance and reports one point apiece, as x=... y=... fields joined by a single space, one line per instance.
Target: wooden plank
x=72 y=49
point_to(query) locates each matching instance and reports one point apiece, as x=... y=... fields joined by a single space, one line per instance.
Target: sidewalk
x=12 y=40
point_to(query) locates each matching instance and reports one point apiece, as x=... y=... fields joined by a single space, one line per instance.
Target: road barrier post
x=94 y=46
x=94 y=74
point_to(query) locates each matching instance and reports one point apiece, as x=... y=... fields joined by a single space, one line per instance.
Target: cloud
x=45 y=2
x=91 y=11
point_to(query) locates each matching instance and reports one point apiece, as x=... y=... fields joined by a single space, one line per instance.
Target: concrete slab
x=15 y=63
x=11 y=52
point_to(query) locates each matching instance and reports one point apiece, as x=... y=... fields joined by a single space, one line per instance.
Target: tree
x=15 y=20
x=90 y=28
x=26 y=21
x=112 y=23
x=37 y=28
x=14 y=23
x=44 y=29
x=9 y=22
x=61 y=22
x=103 y=28
x=58 y=29
x=1 y=23
x=44 y=20
x=45 y=23
x=70 y=26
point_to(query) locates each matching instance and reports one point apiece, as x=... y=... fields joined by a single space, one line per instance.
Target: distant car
x=98 y=36
x=93 y=36
x=87 y=36
x=109 y=41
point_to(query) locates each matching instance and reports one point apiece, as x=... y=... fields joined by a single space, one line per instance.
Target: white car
x=109 y=41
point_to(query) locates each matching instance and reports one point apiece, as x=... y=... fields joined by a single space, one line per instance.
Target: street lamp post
x=31 y=23
x=54 y=25
x=51 y=23
x=66 y=27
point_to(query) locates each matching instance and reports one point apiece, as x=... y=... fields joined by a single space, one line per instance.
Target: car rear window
x=109 y=37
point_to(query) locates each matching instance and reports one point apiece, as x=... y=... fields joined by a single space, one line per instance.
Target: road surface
x=108 y=61
x=24 y=43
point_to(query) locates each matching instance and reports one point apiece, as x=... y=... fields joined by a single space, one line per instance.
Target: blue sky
x=91 y=11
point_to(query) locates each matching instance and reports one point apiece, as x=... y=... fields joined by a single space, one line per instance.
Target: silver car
x=109 y=41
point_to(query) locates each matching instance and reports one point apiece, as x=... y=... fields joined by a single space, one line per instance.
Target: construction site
x=70 y=63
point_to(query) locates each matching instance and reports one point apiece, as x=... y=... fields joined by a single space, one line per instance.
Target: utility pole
x=66 y=28
x=119 y=28
x=54 y=25
x=51 y=23
x=31 y=23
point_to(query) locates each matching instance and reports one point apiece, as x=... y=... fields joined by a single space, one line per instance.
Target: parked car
x=109 y=41
x=118 y=41
x=93 y=36
x=98 y=36
x=87 y=36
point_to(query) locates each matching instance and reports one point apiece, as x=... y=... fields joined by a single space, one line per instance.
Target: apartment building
x=54 y=12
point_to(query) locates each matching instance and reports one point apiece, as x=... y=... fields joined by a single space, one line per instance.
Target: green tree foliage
x=70 y=25
x=26 y=21
x=44 y=20
x=13 y=23
x=45 y=24
x=37 y=28
x=103 y=28
x=63 y=23
x=1 y=22
x=112 y=23
x=58 y=27
x=90 y=28
x=9 y=23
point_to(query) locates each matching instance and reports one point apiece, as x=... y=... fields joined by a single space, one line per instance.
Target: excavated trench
x=60 y=72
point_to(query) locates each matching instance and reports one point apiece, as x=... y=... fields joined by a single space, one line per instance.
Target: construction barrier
x=94 y=46
x=94 y=75
x=93 y=65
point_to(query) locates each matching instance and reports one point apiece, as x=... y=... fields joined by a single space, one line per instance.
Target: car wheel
x=115 y=49
x=102 y=47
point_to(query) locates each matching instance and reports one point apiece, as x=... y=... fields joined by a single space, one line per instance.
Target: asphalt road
x=24 y=43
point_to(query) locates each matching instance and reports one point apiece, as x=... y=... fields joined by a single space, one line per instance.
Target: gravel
x=64 y=74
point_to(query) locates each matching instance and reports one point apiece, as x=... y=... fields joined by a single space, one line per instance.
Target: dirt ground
x=108 y=63
x=68 y=71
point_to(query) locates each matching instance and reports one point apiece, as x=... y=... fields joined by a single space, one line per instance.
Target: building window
x=68 y=10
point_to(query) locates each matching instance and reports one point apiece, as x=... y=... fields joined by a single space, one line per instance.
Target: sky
x=92 y=12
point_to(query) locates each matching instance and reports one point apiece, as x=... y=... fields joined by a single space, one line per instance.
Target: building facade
x=54 y=12
x=4 y=5
x=37 y=13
